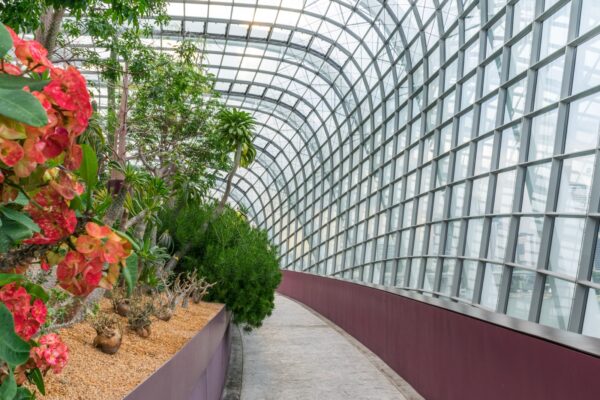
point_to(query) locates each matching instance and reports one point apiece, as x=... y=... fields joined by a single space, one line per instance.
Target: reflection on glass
x=575 y=184
x=556 y=303
x=489 y=110
x=515 y=101
x=521 y=290
x=555 y=31
x=491 y=284
x=510 y=146
x=584 y=124
x=529 y=240
x=429 y=281
x=458 y=199
x=590 y=15
x=498 y=238
x=415 y=271
x=461 y=164
x=483 y=161
x=435 y=235
x=474 y=235
x=535 y=191
x=543 y=130
x=452 y=238
x=520 y=54
x=447 y=276
x=548 y=83
x=479 y=196
x=505 y=189
x=596 y=263
x=400 y=273
x=591 y=323
x=467 y=280
x=566 y=245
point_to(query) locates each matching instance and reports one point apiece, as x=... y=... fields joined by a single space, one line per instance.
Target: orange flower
x=10 y=152
x=88 y=245
x=97 y=231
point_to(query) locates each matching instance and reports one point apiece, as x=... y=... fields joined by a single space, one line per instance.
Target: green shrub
x=237 y=256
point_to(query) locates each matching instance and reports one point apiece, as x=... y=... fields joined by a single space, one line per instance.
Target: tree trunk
x=140 y=230
x=135 y=220
x=120 y=139
x=50 y=28
x=117 y=207
x=172 y=263
x=153 y=235
x=236 y=165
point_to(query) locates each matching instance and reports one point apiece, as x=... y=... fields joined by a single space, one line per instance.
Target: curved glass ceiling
x=443 y=146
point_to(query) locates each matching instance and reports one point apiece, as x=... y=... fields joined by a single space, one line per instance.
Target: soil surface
x=93 y=375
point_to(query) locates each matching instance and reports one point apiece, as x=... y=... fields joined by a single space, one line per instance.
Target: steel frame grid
x=321 y=195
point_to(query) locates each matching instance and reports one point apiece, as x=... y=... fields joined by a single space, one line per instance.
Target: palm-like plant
x=237 y=129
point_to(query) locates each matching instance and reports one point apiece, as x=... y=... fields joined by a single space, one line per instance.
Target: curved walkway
x=298 y=355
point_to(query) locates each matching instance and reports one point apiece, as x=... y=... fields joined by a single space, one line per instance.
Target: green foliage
x=15 y=226
x=13 y=350
x=130 y=272
x=172 y=120
x=26 y=15
x=236 y=127
x=238 y=257
x=22 y=106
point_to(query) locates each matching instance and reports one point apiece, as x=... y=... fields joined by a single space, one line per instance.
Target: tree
x=45 y=17
x=236 y=130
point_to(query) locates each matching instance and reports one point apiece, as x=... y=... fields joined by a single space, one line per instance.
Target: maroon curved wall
x=197 y=371
x=448 y=355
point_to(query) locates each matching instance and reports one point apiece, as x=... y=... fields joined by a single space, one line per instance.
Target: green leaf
x=21 y=218
x=6 y=42
x=89 y=167
x=15 y=231
x=5 y=279
x=130 y=272
x=23 y=107
x=19 y=82
x=24 y=394
x=134 y=243
x=21 y=200
x=8 y=389
x=36 y=291
x=13 y=350
x=37 y=378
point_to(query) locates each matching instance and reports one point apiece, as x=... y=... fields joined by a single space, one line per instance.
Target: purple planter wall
x=448 y=355
x=197 y=371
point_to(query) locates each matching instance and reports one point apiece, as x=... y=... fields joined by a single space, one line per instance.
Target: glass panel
x=498 y=238
x=591 y=323
x=447 y=276
x=555 y=31
x=548 y=83
x=556 y=303
x=575 y=184
x=479 y=196
x=519 y=296
x=587 y=73
x=428 y=283
x=510 y=146
x=505 y=189
x=467 y=280
x=529 y=240
x=566 y=245
x=474 y=235
x=535 y=191
x=491 y=284
x=584 y=124
x=543 y=130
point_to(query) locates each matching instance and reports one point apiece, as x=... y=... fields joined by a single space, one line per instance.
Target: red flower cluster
x=67 y=103
x=80 y=271
x=52 y=212
x=52 y=354
x=28 y=315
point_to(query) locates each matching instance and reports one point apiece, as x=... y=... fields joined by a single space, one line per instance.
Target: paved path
x=296 y=355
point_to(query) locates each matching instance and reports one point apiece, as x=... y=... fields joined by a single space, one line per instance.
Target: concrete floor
x=298 y=355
